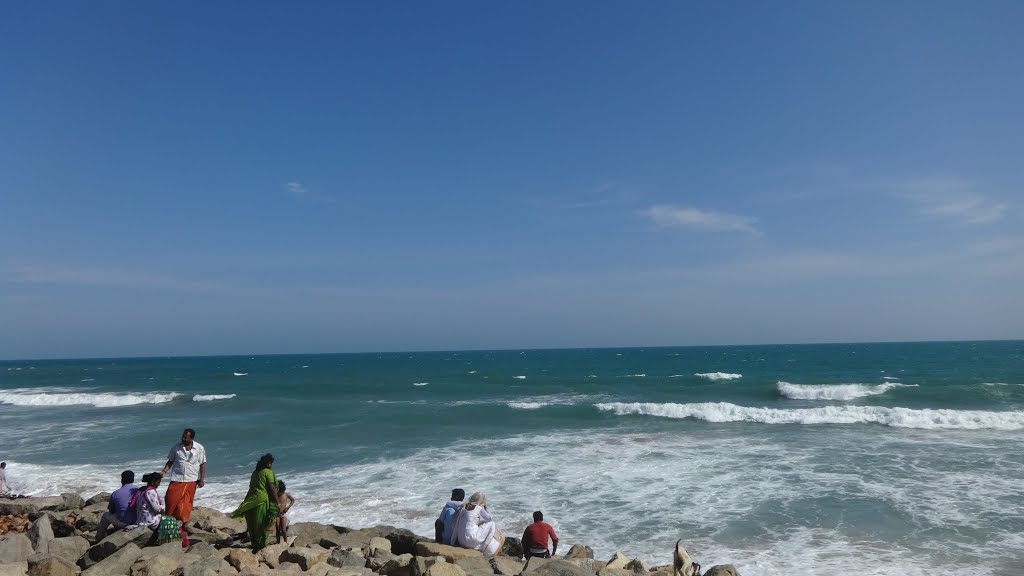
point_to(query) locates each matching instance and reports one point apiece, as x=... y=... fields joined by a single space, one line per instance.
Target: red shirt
x=536 y=535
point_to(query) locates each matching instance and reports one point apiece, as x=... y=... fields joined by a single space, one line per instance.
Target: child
x=284 y=503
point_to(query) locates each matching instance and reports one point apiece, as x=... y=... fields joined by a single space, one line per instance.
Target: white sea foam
x=636 y=375
x=420 y=383
x=835 y=391
x=677 y=375
x=926 y=419
x=889 y=378
x=241 y=373
x=98 y=399
x=209 y=397
x=527 y=405
x=719 y=375
x=87 y=380
x=520 y=377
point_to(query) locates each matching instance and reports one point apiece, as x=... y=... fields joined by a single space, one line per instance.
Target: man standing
x=4 y=486
x=444 y=522
x=187 y=464
x=119 y=514
x=535 y=538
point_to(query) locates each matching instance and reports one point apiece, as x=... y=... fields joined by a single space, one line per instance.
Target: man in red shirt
x=535 y=538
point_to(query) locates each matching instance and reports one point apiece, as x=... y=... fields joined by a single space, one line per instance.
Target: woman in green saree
x=259 y=508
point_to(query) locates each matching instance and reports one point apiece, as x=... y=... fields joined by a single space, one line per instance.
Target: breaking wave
x=926 y=419
x=209 y=397
x=99 y=400
x=835 y=391
x=718 y=375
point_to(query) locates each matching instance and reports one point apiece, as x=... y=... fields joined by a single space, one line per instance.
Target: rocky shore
x=53 y=536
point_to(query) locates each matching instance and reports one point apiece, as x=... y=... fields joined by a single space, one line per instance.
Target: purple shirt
x=120 y=500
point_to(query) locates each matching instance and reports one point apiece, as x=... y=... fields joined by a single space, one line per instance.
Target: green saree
x=257 y=509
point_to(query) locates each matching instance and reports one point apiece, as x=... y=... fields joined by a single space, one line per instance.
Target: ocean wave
x=889 y=378
x=718 y=375
x=420 y=383
x=835 y=391
x=240 y=373
x=520 y=377
x=527 y=405
x=99 y=400
x=927 y=419
x=209 y=397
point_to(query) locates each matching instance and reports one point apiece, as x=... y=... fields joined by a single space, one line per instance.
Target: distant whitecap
x=718 y=375
x=209 y=397
x=520 y=377
x=420 y=383
x=241 y=373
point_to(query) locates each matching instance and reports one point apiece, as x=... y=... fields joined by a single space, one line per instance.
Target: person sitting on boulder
x=535 y=538
x=119 y=511
x=147 y=503
x=474 y=527
x=444 y=522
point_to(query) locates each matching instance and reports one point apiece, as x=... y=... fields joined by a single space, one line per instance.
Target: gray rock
x=88 y=521
x=271 y=555
x=171 y=549
x=560 y=568
x=58 y=522
x=240 y=558
x=399 y=566
x=534 y=563
x=117 y=564
x=13 y=568
x=201 y=565
x=378 y=543
x=203 y=550
x=450 y=553
x=618 y=560
x=30 y=505
x=378 y=558
x=98 y=507
x=49 y=565
x=41 y=534
x=579 y=551
x=507 y=566
x=588 y=564
x=215 y=538
x=307 y=533
x=445 y=569
x=103 y=497
x=722 y=570
x=420 y=564
x=15 y=547
x=638 y=566
x=306 y=558
x=118 y=540
x=158 y=564
x=72 y=501
x=475 y=564
x=615 y=572
x=341 y=558
x=211 y=520
x=69 y=548
x=513 y=547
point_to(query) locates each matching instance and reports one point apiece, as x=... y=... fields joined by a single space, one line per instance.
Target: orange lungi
x=179 y=499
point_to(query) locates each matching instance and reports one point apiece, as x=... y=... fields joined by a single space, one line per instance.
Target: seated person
x=119 y=512
x=474 y=527
x=445 y=521
x=147 y=503
x=535 y=538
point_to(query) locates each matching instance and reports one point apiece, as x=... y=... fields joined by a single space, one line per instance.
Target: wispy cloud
x=669 y=216
x=951 y=199
x=295 y=189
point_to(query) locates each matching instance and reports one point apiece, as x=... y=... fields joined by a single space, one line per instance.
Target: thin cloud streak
x=669 y=216
x=951 y=199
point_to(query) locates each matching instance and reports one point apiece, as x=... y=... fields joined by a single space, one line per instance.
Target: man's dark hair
x=191 y=433
x=127 y=477
x=3 y=464
x=458 y=494
x=538 y=516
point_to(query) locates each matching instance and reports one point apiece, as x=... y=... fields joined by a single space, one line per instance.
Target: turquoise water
x=770 y=457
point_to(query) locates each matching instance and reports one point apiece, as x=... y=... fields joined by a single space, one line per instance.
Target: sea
x=881 y=458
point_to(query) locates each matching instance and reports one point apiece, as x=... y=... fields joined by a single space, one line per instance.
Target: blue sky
x=216 y=178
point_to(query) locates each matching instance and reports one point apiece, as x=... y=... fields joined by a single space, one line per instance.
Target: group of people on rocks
x=132 y=506
x=468 y=524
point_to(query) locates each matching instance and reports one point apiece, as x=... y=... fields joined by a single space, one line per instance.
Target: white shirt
x=185 y=463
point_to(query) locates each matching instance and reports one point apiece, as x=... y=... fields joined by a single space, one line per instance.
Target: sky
x=197 y=178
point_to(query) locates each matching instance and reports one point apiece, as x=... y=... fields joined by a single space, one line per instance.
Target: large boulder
x=72 y=501
x=117 y=541
x=579 y=551
x=378 y=543
x=614 y=572
x=342 y=558
x=102 y=497
x=475 y=564
x=638 y=566
x=588 y=564
x=30 y=505
x=513 y=547
x=561 y=568
x=158 y=565
x=88 y=521
x=506 y=566
x=722 y=570
x=378 y=557
x=401 y=565
x=618 y=560
x=50 y=565
x=445 y=569
x=15 y=547
x=69 y=548
x=307 y=533
x=13 y=569
x=211 y=520
x=271 y=555
x=241 y=557
x=306 y=558
x=61 y=523
x=41 y=534
x=450 y=553
x=117 y=564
